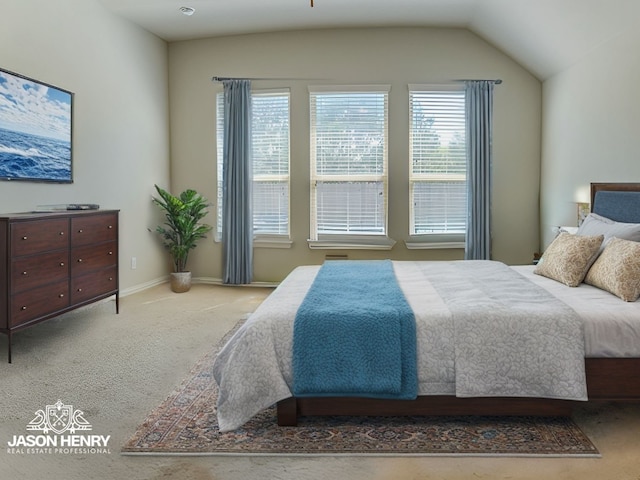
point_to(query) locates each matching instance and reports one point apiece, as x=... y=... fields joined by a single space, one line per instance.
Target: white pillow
x=595 y=224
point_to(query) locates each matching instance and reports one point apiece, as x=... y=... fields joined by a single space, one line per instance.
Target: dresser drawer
x=37 y=236
x=38 y=302
x=94 y=229
x=35 y=270
x=85 y=287
x=93 y=257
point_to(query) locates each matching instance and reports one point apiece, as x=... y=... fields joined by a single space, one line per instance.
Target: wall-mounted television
x=35 y=130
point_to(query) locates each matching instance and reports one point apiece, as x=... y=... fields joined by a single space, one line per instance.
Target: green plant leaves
x=182 y=228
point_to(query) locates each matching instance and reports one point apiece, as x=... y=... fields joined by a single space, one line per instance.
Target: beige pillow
x=617 y=269
x=569 y=257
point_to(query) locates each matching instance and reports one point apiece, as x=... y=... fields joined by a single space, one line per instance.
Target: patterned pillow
x=569 y=257
x=617 y=269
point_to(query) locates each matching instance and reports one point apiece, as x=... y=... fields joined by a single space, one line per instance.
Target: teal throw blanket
x=354 y=334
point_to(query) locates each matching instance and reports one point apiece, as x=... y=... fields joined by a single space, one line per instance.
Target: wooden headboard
x=617 y=201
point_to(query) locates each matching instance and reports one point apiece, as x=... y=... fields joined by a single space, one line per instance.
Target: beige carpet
x=118 y=368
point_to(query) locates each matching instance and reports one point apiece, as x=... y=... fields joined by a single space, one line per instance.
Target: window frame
x=436 y=240
x=260 y=240
x=361 y=241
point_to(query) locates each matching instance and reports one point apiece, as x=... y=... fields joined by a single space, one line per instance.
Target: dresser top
x=60 y=213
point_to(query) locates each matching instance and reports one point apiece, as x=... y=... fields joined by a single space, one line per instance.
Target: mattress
x=611 y=326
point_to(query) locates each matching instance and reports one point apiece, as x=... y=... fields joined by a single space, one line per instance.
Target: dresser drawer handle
x=23 y=307
x=79 y=260
x=62 y=264
x=80 y=231
x=24 y=273
x=24 y=238
x=110 y=227
x=110 y=253
x=61 y=295
x=111 y=279
x=79 y=290
x=61 y=233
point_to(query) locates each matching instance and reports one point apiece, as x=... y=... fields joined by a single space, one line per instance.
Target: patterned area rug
x=185 y=423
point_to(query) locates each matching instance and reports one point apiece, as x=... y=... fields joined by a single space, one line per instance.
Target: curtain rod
x=496 y=81
x=222 y=79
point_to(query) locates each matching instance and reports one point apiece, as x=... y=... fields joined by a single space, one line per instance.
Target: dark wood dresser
x=51 y=263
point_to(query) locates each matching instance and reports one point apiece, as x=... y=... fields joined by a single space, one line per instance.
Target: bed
x=254 y=369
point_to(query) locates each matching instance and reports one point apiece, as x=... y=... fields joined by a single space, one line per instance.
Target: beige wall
x=118 y=73
x=395 y=56
x=125 y=104
x=591 y=129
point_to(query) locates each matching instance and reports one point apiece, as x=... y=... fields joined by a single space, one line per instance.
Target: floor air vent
x=336 y=257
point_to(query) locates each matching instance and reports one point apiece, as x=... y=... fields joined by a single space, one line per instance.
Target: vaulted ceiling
x=544 y=36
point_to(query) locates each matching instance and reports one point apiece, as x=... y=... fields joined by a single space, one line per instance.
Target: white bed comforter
x=482 y=330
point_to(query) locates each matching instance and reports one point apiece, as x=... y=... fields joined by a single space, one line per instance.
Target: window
x=349 y=166
x=437 y=173
x=270 y=151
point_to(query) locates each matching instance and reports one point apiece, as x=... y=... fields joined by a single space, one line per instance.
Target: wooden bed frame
x=608 y=379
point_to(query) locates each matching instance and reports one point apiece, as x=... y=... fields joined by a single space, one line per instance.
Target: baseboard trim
x=218 y=281
x=196 y=280
x=143 y=286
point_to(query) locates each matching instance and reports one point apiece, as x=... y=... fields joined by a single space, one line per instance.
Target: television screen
x=35 y=130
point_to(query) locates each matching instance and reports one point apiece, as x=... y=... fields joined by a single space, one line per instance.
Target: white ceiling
x=545 y=36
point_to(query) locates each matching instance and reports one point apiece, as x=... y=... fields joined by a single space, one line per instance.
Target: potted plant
x=181 y=230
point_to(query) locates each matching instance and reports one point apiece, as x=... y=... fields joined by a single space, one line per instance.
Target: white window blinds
x=270 y=151
x=437 y=175
x=349 y=161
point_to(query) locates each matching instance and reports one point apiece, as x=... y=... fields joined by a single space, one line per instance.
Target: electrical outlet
x=134 y=263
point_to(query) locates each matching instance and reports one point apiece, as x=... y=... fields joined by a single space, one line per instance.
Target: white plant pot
x=180 y=282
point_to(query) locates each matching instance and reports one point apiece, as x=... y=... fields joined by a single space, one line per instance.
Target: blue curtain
x=479 y=121
x=237 y=218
